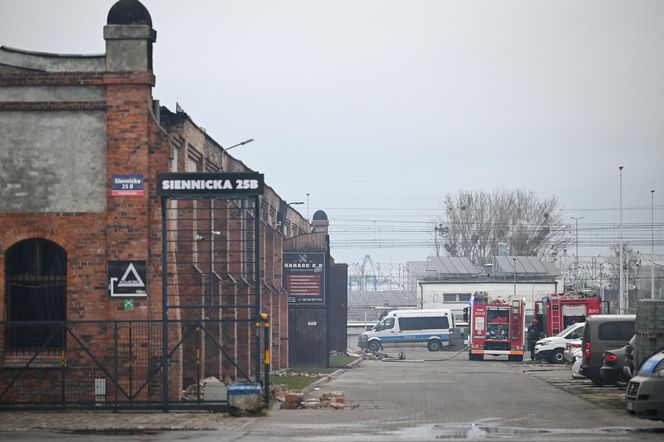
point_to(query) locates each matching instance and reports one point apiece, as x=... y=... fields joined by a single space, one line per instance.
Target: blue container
x=245 y=396
x=234 y=389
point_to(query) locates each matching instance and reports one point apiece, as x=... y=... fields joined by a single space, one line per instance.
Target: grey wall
x=52 y=93
x=52 y=161
x=51 y=62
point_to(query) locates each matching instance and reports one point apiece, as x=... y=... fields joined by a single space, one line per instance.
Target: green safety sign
x=128 y=305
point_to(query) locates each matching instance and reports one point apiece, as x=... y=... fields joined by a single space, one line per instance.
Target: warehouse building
x=82 y=142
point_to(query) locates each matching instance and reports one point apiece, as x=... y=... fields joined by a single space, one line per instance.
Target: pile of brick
x=278 y=392
x=335 y=400
x=293 y=400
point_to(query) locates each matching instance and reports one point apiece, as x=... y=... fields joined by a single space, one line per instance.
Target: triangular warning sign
x=135 y=282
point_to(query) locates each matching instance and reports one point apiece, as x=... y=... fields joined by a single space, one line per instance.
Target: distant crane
x=370 y=276
x=361 y=276
x=364 y=276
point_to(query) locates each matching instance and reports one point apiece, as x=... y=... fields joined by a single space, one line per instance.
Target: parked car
x=576 y=367
x=628 y=366
x=552 y=348
x=613 y=362
x=602 y=333
x=644 y=396
x=431 y=327
x=572 y=350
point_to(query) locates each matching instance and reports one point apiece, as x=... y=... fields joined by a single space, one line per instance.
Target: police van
x=400 y=328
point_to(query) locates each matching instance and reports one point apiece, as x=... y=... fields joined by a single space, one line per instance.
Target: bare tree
x=630 y=260
x=476 y=224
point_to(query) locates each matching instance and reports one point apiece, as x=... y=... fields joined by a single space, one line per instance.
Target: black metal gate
x=212 y=324
x=210 y=329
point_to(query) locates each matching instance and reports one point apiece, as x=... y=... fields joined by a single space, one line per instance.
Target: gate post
x=164 y=304
x=258 y=283
x=266 y=360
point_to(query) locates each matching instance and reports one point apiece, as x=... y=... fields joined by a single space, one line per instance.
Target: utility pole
x=576 y=261
x=652 y=245
x=601 y=287
x=621 y=293
x=514 y=275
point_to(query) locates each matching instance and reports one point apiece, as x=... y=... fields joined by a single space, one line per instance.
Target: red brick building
x=71 y=127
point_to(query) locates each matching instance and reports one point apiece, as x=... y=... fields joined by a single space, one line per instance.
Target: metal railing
x=111 y=364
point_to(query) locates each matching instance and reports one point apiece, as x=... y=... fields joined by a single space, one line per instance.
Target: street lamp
x=621 y=292
x=282 y=224
x=223 y=151
x=576 y=262
x=307 y=207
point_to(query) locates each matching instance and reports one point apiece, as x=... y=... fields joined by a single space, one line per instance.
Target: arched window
x=36 y=287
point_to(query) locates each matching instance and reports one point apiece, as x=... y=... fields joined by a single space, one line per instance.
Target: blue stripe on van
x=422 y=337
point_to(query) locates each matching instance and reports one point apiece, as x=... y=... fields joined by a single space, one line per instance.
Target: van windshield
x=574 y=335
x=385 y=324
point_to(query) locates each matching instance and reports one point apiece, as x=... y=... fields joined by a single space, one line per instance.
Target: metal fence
x=109 y=364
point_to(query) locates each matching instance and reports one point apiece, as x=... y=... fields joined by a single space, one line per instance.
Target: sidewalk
x=100 y=421
x=82 y=421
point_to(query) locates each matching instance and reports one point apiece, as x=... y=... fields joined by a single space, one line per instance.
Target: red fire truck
x=558 y=311
x=496 y=327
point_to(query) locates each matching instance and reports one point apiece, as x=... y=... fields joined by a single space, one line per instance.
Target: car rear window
x=616 y=331
x=424 y=323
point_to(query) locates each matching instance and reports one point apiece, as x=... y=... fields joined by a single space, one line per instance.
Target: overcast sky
x=378 y=109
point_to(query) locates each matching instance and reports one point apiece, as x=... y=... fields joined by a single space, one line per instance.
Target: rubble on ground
x=291 y=400
x=191 y=392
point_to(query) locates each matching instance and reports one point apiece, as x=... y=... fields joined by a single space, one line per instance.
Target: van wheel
x=434 y=345
x=474 y=357
x=374 y=346
x=557 y=356
x=516 y=358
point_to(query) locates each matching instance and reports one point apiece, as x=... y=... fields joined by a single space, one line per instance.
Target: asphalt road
x=425 y=397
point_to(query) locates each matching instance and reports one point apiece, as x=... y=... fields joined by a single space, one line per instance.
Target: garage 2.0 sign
x=304 y=275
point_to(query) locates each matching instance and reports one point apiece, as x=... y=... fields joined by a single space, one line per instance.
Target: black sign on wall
x=304 y=278
x=127 y=278
x=210 y=183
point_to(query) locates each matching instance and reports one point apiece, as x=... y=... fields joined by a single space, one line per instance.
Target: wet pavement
x=427 y=397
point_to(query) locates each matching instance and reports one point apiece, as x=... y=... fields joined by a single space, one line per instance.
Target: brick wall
x=129 y=228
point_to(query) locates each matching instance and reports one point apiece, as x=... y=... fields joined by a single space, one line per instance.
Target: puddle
x=113 y=432
x=485 y=431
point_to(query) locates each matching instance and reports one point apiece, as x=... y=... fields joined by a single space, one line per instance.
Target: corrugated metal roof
x=453 y=265
x=525 y=265
x=416 y=266
x=551 y=268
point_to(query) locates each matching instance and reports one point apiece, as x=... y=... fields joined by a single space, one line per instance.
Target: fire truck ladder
x=555 y=315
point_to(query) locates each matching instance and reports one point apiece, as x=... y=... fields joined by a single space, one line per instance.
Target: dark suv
x=602 y=333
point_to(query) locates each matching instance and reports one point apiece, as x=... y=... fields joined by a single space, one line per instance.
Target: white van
x=433 y=327
x=552 y=348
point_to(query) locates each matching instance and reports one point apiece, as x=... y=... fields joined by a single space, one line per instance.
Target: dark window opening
x=36 y=287
x=424 y=323
x=616 y=331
